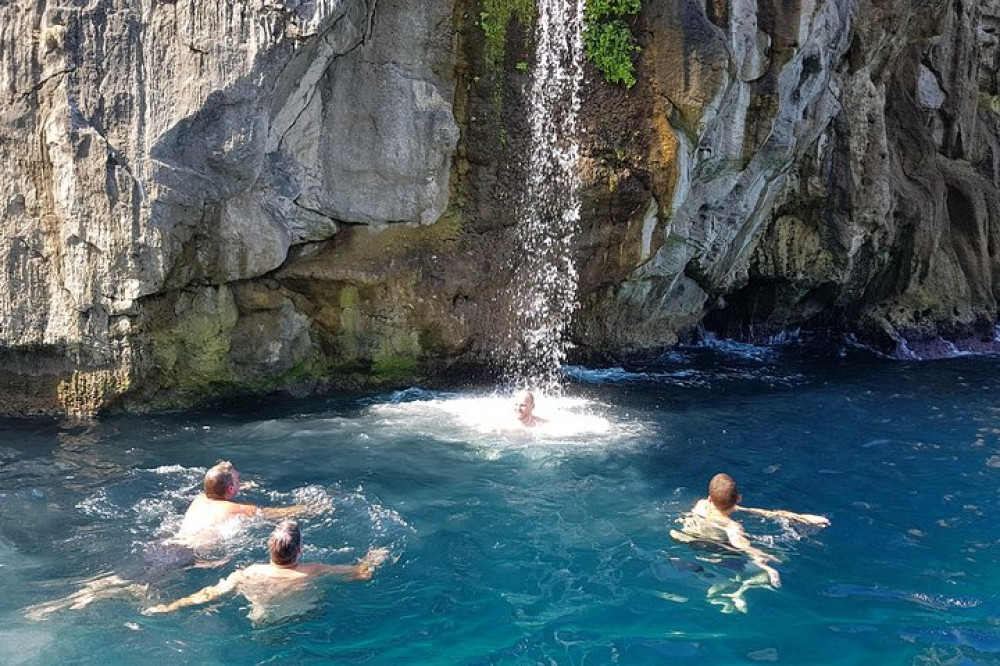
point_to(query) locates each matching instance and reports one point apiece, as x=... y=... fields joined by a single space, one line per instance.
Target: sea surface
x=549 y=546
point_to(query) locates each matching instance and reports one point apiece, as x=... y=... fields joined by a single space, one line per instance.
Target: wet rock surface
x=200 y=199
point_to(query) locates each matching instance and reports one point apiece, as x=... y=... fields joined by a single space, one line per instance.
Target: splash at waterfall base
x=542 y=546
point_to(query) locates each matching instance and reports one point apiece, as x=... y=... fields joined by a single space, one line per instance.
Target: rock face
x=834 y=165
x=158 y=156
x=200 y=197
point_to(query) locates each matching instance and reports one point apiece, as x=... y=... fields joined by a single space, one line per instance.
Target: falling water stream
x=546 y=279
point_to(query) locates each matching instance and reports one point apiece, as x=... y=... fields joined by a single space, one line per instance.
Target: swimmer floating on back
x=273 y=585
x=710 y=522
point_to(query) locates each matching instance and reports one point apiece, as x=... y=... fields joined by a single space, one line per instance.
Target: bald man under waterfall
x=524 y=407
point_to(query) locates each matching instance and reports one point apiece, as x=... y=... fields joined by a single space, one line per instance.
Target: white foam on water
x=682 y=377
x=744 y=350
x=612 y=375
x=489 y=421
x=166 y=470
x=351 y=515
x=99 y=506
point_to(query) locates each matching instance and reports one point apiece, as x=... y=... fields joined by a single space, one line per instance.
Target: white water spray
x=545 y=284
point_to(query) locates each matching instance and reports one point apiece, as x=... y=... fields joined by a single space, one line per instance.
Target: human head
x=222 y=481
x=524 y=405
x=722 y=492
x=285 y=543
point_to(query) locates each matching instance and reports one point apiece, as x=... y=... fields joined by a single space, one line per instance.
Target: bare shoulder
x=241 y=509
x=198 y=505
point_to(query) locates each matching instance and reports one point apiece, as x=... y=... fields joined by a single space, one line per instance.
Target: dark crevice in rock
x=41 y=84
x=766 y=308
x=316 y=211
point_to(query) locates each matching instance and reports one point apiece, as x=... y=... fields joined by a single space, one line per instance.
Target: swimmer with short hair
x=283 y=576
x=215 y=508
x=202 y=528
x=711 y=521
x=524 y=407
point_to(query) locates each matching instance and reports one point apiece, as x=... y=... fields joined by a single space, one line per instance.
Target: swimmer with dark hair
x=271 y=584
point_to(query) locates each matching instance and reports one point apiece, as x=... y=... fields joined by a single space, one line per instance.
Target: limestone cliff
x=828 y=163
x=202 y=197
x=160 y=157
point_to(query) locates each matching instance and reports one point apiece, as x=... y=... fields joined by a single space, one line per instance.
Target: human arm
x=202 y=596
x=363 y=570
x=282 y=512
x=739 y=540
x=804 y=518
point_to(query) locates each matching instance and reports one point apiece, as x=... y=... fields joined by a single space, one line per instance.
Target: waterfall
x=545 y=281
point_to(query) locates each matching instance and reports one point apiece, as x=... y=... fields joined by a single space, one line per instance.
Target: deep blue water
x=548 y=547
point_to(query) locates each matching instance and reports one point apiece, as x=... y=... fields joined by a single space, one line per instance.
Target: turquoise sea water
x=549 y=547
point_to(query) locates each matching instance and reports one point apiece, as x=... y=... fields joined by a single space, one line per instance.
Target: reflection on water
x=548 y=544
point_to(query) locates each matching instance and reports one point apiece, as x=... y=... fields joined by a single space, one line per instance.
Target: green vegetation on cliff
x=989 y=102
x=494 y=19
x=608 y=41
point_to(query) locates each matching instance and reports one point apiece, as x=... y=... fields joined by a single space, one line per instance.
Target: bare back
x=707 y=522
x=207 y=520
x=276 y=593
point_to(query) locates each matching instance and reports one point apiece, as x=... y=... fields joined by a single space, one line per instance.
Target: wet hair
x=219 y=479
x=723 y=492
x=285 y=543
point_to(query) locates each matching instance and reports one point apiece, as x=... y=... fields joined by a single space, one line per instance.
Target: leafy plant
x=600 y=9
x=493 y=21
x=608 y=41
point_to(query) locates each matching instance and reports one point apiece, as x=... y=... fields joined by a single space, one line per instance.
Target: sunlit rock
x=201 y=197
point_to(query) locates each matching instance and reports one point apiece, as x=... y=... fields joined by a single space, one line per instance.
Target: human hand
x=376 y=556
x=371 y=561
x=773 y=577
x=156 y=610
x=248 y=485
x=816 y=521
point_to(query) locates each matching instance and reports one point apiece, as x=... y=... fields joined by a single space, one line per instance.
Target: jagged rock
x=150 y=148
x=201 y=197
x=866 y=192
